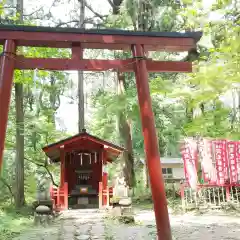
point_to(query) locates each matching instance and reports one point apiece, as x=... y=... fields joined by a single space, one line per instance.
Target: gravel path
x=91 y=224
x=209 y=226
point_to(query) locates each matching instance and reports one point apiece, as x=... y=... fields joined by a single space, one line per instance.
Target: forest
x=203 y=103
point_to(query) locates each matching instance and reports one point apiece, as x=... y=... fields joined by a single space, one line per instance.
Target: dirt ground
x=92 y=224
x=195 y=226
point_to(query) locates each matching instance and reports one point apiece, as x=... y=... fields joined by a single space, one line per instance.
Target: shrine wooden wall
x=73 y=163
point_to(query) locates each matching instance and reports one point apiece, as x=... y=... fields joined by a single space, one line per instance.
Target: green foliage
x=12 y=222
x=183 y=104
x=2 y=3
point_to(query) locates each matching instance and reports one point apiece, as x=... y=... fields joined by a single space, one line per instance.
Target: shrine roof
x=98 y=38
x=52 y=150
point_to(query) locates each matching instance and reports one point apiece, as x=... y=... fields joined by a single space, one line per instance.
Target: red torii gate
x=78 y=40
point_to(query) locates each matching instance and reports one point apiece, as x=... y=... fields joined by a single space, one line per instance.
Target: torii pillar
x=101 y=39
x=151 y=145
x=7 y=61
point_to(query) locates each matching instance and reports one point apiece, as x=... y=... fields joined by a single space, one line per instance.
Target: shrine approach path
x=92 y=224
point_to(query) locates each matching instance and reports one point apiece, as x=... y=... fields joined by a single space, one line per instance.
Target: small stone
x=43 y=209
x=83 y=237
x=77 y=233
x=127 y=219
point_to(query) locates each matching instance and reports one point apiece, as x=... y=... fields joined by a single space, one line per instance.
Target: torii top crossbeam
x=98 y=38
x=78 y=40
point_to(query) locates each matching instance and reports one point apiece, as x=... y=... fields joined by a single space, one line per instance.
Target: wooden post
x=105 y=188
x=107 y=193
x=100 y=195
x=62 y=162
x=58 y=197
x=182 y=195
x=151 y=146
x=228 y=196
x=104 y=179
x=6 y=79
x=66 y=195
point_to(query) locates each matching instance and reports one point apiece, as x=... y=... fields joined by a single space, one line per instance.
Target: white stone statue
x=120 y=188
x=43 y=185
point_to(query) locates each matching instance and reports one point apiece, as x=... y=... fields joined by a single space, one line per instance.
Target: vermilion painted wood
x=86 y=137
x=77 y=52
x=59 y=197
x=100 y=194
x=127 y=65
x=82 y=146
x=74 y=163
x=66 y=195
x=151 y=148
x=6 y=80
x=62 y=161
x=87 y=148
x=104 y=187
x=122 y=41
x=92 y=41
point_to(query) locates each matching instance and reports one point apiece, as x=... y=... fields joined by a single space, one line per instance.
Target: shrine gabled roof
x=82 y=136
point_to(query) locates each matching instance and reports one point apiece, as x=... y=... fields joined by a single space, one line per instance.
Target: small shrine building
x=83 y=178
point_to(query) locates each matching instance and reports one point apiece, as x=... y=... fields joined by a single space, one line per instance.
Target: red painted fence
x=60 y=197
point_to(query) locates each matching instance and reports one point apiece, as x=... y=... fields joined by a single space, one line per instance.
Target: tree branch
x=51 y=176
x=66 y=23
x=7 y=7
x=46 y=168
x=93 y=11
x=7 y=185
x=88 y=20
x=32 y=13
x=111 y=3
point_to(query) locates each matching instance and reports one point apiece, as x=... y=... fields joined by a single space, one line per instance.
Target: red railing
x=105 y=195
x=60 y=197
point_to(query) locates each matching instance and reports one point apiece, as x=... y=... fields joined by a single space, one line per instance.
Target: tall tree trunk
x=19 y=193
x=81 y=113
x=116 y=6
x=125 y=132
x=144 y=11
x=123 y=123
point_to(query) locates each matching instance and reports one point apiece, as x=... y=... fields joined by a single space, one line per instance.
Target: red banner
x=189 y=156
x=232 y=161
x=238 y=159
x=221 y=161
x=208 y=167
x=205 y=150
